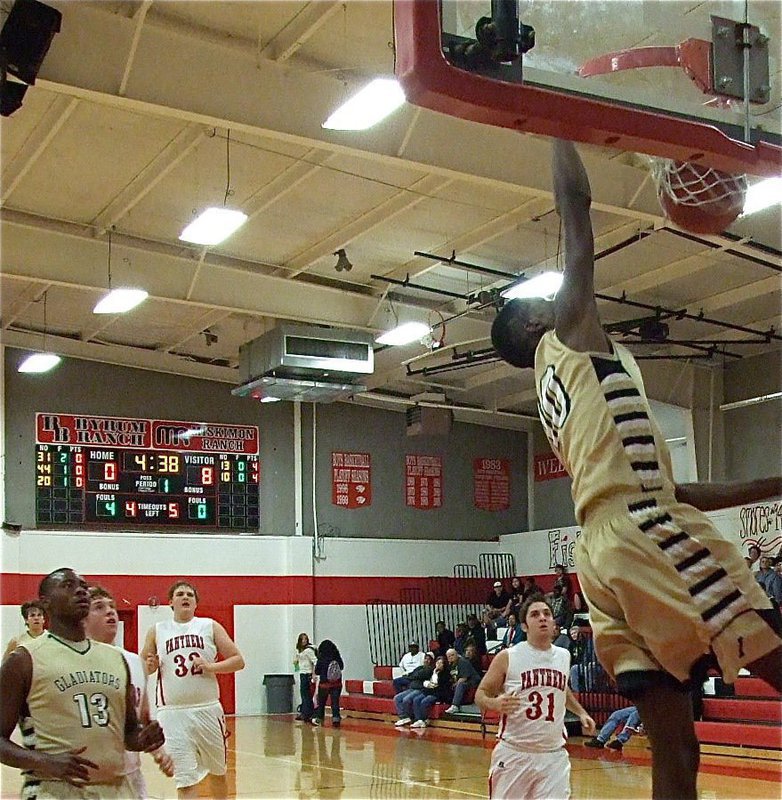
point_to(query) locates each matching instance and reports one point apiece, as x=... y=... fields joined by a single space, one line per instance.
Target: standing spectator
x=560 y=606
x=411 y=660
x=437 y=689
x=627 y=719
x=754 y=554
x=304 y=659
x=328 y=682
x=34 y=619
x=516 y=595
x=445 y=637
x=463 y=677
x=497 y=601
x=460 y=640
x=531 y=589
x=774 y=584
x=475 y=634
x=765 y=574
x=563 y=579
x=577 y=650
x=513 y=633
x=403 y=701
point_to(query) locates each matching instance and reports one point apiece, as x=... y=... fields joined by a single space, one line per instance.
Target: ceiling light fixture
x=367 y=107
x=118 y=301
x=403 y=334
x=761 y=195
x=545 y=285
x=216 y=224
x=343 y=262
x=37 y=363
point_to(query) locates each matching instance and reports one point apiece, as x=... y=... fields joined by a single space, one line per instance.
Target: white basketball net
x=685 y=187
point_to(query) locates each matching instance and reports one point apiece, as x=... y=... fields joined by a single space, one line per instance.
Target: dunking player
x=527 y=685
x=34 y=620
x=101 y=625
x=184 y=651
x=73 y=700
x=668 y=596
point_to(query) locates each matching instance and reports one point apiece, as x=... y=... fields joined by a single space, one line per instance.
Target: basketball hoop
x=697 y=198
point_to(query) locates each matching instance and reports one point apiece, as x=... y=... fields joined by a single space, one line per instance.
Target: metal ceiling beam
x=67 y=255
x=120 y=355
x=740 y=294
x=301 y=28
x=251 y=98
x=31 y=294
x=138 y=17
x=398 y=203
x=36 y=142
x=208 y=319
x=145 y=181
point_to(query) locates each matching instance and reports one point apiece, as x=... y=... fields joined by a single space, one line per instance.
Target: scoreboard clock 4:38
x=188 y=474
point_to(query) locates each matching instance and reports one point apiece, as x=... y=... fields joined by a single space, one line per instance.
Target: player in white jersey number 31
x=527 y=685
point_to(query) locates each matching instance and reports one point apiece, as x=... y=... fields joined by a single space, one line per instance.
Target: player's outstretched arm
x=712 y=496
x=577 y=320
x=10 y=647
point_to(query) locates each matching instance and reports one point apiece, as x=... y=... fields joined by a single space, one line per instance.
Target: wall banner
x=548 y=467
x=491 y=484
x=423 y=481
x=351 y=479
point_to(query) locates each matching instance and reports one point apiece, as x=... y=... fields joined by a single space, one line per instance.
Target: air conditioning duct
x=303 y=362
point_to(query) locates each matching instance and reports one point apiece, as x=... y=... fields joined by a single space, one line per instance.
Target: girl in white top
x=527 y=686
x=304 y=658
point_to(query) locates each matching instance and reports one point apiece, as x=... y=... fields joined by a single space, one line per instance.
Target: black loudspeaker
x=26 y=37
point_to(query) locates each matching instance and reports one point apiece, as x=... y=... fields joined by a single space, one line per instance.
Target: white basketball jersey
x=179 y=683
x=540 y=678
x=138 y=681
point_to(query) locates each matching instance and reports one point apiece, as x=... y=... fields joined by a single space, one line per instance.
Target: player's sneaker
x=402 y=722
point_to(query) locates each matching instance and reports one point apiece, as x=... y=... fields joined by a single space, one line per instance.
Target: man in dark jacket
x=464 y=678
x=404 y=700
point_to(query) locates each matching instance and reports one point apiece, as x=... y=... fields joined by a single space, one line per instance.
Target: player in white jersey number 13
x=527 y=685
x=185 y=653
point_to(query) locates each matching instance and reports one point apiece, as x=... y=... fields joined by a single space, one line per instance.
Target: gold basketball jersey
x=597 y=419
x=78 y=700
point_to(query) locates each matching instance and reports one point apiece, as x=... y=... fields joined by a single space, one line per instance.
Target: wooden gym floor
x=275 y=757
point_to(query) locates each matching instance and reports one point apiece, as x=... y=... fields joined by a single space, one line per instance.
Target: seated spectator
x=475 y=634
x=531 y=589
x=560 y=606
x=445 y=637
x=410 y=661
x=460 y=639
x=625 y=719
x=473 y=656
x=767 y=577
x=489 y=628
x=463 y=677
x=437 y=689
x=577 y=650
x=404 y=700
x=497 y=601
x=774 y=583
x=513 y=633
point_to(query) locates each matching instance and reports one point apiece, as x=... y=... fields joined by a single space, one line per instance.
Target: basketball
x=701 y=199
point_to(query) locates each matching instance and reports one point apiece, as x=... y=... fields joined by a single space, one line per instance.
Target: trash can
x=279 y=694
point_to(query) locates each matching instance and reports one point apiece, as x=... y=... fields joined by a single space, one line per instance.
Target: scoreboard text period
x=119 y=471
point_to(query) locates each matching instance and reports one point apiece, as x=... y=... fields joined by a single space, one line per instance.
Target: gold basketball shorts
x=665 y=589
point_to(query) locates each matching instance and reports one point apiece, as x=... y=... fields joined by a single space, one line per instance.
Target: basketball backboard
x=588 y=76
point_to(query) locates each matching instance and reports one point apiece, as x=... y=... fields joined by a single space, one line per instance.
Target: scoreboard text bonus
x=187 y=474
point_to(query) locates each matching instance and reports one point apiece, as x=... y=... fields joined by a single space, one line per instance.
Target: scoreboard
x=193 y=475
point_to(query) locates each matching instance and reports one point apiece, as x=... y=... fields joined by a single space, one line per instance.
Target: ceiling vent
x=429 y=421
x=308 y=363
